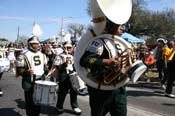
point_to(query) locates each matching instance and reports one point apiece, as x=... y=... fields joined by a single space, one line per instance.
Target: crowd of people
x=28 y=62
x=36 y=60
x=8 y=54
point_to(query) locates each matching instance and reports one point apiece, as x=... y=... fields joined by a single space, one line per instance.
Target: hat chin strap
x=34 y=50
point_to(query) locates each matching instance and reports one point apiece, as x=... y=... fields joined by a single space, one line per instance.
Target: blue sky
x=160 y=4
x=48 y=14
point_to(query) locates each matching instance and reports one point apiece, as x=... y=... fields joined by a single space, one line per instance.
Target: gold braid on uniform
x=92 y=60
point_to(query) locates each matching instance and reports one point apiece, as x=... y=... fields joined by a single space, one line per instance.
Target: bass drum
x=83 y=72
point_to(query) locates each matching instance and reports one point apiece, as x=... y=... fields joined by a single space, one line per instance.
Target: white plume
x=67 y=38
x=36 y=30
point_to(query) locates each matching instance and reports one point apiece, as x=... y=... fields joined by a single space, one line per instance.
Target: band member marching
x=11 y=56
x=96 y=58
x=105 y=61
x=31 y=66
x=64 y=65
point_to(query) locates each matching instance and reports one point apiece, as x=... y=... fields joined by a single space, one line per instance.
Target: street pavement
x=12 y=102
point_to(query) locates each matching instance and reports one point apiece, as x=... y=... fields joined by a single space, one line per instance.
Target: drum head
x=43 y=82
x=138 y=71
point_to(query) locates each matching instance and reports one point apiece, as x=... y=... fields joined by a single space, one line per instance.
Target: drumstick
x=30 y=68
x=50 y=72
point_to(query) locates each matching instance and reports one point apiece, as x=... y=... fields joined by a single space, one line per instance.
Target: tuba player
x=96 y=57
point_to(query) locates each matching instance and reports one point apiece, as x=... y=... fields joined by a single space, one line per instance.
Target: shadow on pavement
x=137 y=93
x=51 y=111
x=71 y=112
x=149 y=85
x=144 y=87
x=9 y=112
x=46 y=110
x=166 y=104
x=20 y=103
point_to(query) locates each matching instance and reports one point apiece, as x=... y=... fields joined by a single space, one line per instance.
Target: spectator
x=171 y=67
x=160 y=62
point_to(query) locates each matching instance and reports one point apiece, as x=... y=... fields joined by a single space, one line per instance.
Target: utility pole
x=62 y=23
x=61 y=33
x=17 y=39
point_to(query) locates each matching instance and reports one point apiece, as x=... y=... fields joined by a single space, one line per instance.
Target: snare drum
x=77 y=83
x=4 y=65
x=44 y=92
x=136 y=70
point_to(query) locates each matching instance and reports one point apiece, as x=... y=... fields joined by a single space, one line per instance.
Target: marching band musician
x=95 y=58
x=46 y=49
x=11 y=56
x=31 y=65
x=64 y=65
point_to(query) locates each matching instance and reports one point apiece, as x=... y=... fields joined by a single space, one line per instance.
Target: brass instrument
x=127 y=67
x=125 y=59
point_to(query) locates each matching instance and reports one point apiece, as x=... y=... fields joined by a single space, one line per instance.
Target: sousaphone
x=119 y=12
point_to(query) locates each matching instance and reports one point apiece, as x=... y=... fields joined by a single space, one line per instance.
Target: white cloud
x=14 y=18
x=59 y=20
x=54 y=19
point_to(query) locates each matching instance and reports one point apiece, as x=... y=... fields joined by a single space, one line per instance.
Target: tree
x=75 y=29
x=3 y=39
x=153 y=24
x=22 y=40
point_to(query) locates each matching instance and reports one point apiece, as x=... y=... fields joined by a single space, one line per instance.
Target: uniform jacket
x=64 y=68
x=39 y=59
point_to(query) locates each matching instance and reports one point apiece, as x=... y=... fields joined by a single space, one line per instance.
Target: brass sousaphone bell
x=118 y=11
